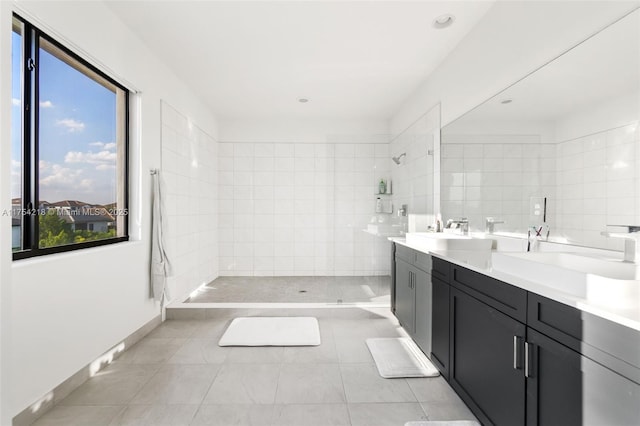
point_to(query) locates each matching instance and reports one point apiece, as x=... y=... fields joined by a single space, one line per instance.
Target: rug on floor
x=272 y=331
x=398 y=357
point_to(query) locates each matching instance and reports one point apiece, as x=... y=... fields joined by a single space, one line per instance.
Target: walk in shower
x=294 y=222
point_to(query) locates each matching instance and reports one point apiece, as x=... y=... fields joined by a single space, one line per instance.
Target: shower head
x=397 y=159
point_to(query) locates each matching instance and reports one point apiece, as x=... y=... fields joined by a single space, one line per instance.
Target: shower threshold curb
x=200 y=311
x=293 y=305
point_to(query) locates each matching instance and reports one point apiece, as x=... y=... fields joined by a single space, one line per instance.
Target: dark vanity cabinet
x=517 y=358
x=486 y=346
x=440 y=316
x=582 y=369
x=405 y=296
x=413 y=295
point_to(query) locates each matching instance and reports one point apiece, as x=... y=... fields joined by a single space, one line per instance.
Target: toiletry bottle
x=382 y=187
x=378 y=205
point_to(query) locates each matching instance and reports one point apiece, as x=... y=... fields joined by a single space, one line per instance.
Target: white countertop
x=601 y=303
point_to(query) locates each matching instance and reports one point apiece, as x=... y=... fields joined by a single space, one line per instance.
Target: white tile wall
x=413 y=178
x=498 y=180
x=300 y=209
x=598 y=184
x=590 y=182
x=189 y=175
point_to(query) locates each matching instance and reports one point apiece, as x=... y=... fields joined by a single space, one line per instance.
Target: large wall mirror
x=565 y=137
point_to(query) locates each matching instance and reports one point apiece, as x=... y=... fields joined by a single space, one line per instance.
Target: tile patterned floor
x=178 y=375
x=295 y=290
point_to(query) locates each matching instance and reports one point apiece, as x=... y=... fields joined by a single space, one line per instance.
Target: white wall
x=295 y=196
x=69 y=308
x=5 y=221
x=277 y=130
x=598 y=176
x=190 y=176
x=413 y=178
x=300 y=208
x=498 y=179
x=486 y=61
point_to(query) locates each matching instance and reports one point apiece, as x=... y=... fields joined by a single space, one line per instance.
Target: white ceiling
x=352 y=59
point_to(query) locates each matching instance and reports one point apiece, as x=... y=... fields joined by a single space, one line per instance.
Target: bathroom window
x=69 y=149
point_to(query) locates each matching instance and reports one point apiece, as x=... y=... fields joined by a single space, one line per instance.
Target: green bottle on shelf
x=382 y=187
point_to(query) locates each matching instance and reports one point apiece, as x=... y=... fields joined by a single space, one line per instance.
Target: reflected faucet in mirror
x=490 y=224
x=459 y=226
x=631 y=236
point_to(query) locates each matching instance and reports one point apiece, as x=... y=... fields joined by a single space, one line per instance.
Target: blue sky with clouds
x=77 y=133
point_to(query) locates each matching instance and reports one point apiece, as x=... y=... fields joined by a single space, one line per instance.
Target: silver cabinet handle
x=516 y=353
x=527 y=359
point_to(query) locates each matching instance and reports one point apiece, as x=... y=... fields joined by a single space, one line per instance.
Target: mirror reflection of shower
x=398 y=158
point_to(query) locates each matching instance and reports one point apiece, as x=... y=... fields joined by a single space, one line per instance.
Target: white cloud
x=102 y=157
x=71 y=125
x=86 y=183
x=103 y=167
x=46 y=104
x=15 y=102
x=59 y=175
x=104 y=145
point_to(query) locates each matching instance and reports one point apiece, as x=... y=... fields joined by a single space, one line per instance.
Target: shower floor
x=360 y=289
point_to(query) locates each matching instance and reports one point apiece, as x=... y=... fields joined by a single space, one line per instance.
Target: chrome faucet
x=490 y=224
x=461 y=225
x=631 y=236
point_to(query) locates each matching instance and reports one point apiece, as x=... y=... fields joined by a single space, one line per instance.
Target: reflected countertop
x=615 y=300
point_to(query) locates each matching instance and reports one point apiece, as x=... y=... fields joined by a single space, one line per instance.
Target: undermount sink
x=442 y=241
x=610 y=280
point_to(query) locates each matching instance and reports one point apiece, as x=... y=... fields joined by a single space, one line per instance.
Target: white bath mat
x=398 y=357
x=443 y=423
x=272 y=331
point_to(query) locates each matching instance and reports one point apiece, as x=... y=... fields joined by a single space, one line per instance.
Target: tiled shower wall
x=190 y=179
x=481 y=180
x=590 y=182
x=300 y=209
x=413 y=178
x=599 y=184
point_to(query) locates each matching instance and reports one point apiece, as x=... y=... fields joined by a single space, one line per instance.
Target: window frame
x=30 y=197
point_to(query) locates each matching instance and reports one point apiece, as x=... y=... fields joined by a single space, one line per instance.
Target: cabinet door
x=424 y=303
x=405 y=296
x=566 y=388
x=486 y=360
x=440 y=326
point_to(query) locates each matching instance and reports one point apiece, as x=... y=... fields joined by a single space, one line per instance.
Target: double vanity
x=535 y=338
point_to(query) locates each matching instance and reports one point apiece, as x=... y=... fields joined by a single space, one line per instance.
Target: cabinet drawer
x=406 y=254
x=423 y=261
x=611 y=344
x=507 y=298
x=440 y=269
x=414 y=257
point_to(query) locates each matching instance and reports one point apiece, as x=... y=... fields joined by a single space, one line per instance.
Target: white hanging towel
x=160 y=266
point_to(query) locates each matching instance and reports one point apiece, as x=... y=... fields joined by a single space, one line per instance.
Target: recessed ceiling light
x=506 y=101
x=303 y=100
x=443 y=21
